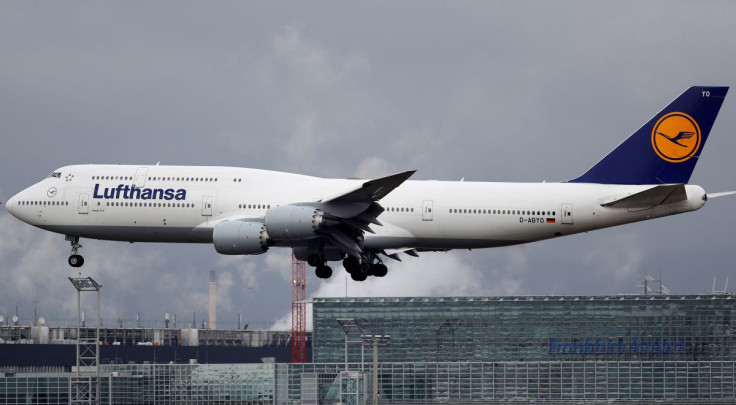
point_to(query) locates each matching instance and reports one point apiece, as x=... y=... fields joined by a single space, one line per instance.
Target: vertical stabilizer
x=666 y=149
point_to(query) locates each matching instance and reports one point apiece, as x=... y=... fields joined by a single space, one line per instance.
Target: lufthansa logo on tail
x=676 y=137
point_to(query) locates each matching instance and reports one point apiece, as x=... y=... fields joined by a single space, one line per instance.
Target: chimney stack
x=213 y=296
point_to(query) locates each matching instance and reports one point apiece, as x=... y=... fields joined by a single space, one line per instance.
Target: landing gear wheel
x=351 y=264
x=358 y=276
x=379 y=270
x=76 y=261
x=365 y=268
x=323 y=271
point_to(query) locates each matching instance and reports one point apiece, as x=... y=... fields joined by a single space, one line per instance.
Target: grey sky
x=489 y=91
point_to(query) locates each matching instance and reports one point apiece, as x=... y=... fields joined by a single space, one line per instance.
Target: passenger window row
x=499 y=212
x=254 y=206
x=148 y=204
x=44 y=203
x=161 y=178
x=399 y=209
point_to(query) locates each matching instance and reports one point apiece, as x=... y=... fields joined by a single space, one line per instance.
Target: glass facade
x=673 y=349
x=152 y=384
x=522 y=329
x=431 y=382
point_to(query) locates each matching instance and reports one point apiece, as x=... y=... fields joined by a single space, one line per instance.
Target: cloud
x=311 y=65
x=374 y=166
x=616 y=258
x=322 y=99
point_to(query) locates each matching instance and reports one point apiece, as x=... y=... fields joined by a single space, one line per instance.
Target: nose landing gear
x=75 y=260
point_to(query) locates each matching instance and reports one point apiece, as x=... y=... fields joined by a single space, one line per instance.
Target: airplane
x=362 y=222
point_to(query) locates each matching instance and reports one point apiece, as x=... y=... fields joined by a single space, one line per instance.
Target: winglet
x=666 y=148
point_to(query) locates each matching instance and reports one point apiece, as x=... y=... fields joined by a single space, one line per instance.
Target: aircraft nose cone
x=10 y=205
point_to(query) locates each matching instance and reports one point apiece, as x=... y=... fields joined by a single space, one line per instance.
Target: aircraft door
x=140 y=177
x=427 y=210
x=567 y=214
x=207 y=206
x=84 y=203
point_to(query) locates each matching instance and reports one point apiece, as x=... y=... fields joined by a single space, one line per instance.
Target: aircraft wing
x=651 y=197
x=356 y=209
x=371 y=190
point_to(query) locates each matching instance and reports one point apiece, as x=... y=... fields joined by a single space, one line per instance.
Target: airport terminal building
x=533 y=349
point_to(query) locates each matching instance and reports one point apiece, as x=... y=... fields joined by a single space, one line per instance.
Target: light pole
x=348 y=324
x=376 y=340
x=86 y=388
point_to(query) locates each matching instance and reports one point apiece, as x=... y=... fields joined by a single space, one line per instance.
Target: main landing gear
x=75 y=260
x=369 y=265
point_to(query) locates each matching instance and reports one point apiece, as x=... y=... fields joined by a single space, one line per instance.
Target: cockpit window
x=55 y=174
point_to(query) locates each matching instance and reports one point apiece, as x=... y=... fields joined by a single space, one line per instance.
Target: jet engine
x=290 y=222
x=240 y=238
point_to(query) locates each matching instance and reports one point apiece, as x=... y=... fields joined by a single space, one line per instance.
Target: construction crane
x=298 y=311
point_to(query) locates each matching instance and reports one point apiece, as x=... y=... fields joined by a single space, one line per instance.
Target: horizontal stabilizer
x=650 y=197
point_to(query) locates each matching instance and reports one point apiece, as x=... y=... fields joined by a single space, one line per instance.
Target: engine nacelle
x=240 y=238
x=290 y=222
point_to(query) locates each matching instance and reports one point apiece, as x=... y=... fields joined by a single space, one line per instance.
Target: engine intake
x=289 y=222
x=240 y=238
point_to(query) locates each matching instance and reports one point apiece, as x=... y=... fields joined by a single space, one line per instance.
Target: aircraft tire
x=358 y=276
x=76 y=260
x=379 y=270
x=323 y=272
x=351 y=264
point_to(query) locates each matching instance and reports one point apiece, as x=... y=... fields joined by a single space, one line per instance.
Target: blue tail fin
x=667 y=147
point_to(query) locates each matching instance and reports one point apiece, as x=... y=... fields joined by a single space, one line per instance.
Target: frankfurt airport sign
x=599 y=346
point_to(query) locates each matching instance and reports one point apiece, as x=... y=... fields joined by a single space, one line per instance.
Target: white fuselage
x=183 y=203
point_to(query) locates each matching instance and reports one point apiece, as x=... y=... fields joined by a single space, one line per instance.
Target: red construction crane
x=298 y=311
